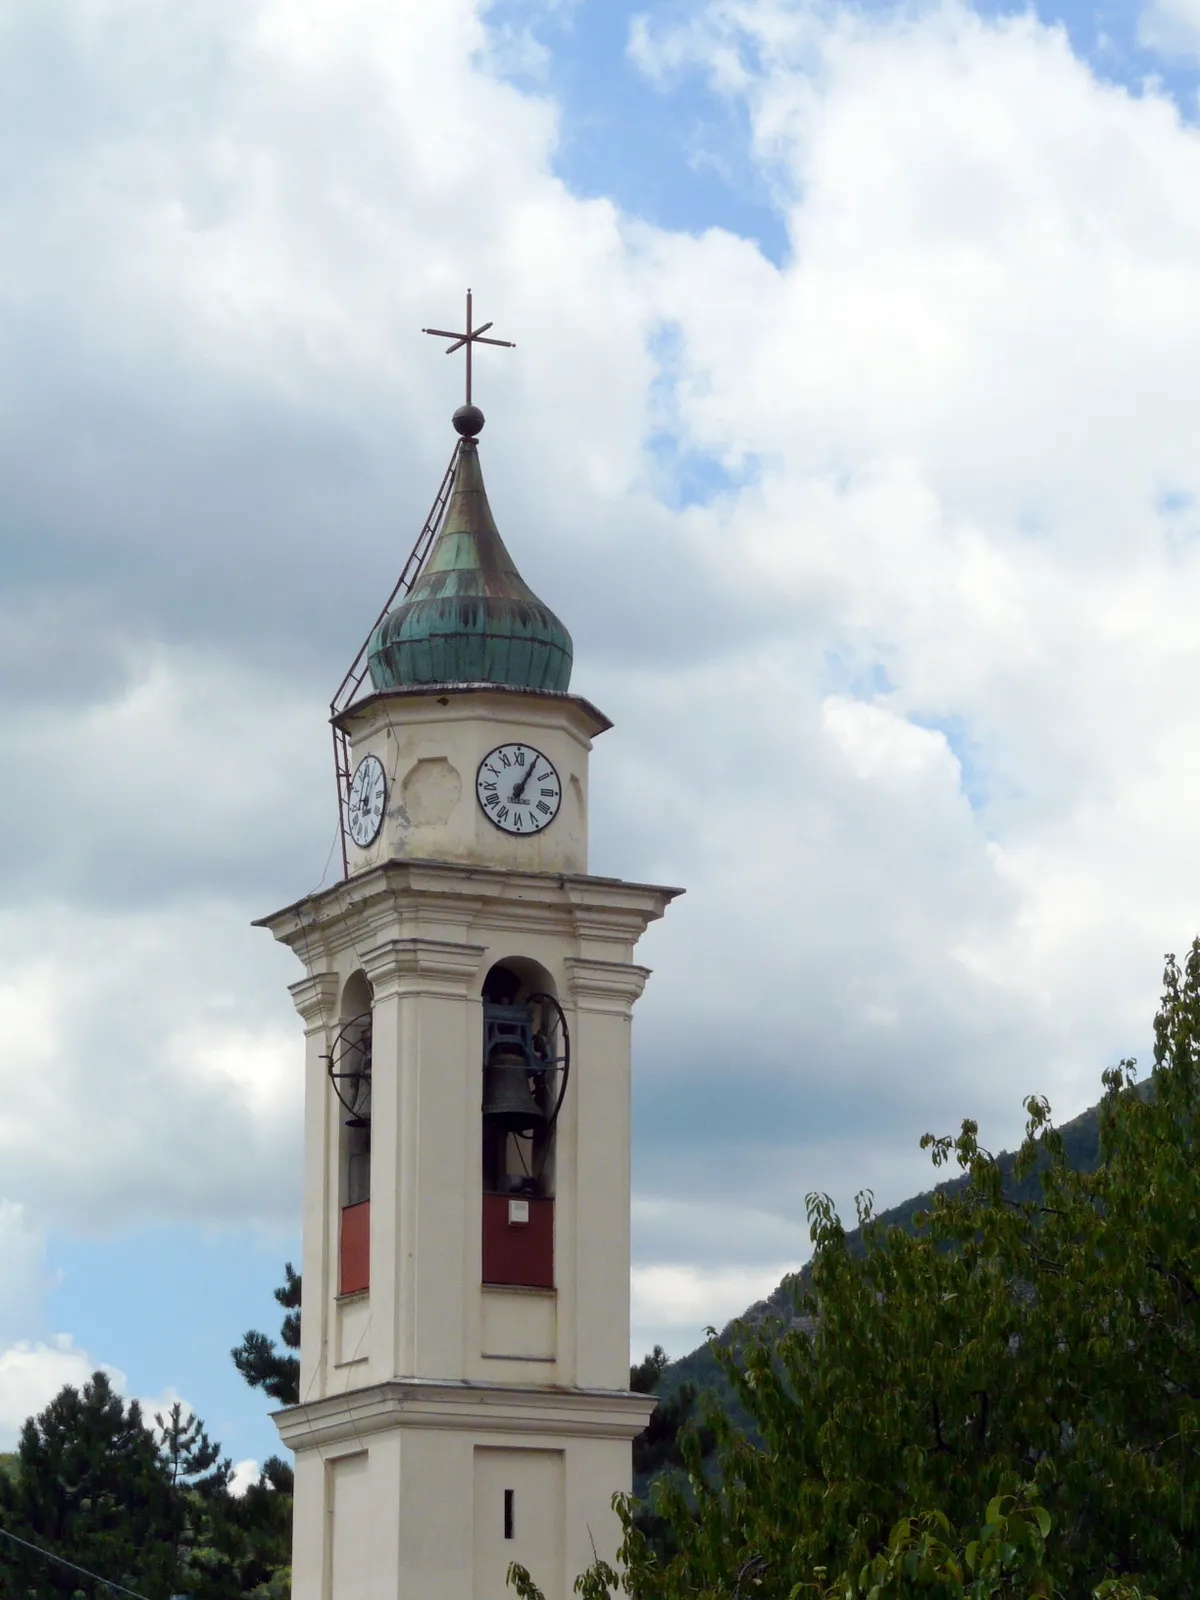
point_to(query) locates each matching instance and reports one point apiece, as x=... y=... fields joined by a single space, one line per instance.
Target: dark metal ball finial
x=468 y=420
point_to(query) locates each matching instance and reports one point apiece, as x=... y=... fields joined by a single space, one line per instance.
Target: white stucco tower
x=466 y=1001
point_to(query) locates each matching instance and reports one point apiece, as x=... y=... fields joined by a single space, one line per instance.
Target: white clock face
x=367 y=795
x=518 y=788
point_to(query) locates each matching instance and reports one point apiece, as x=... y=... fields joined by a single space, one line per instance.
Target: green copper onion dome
x=470 y=617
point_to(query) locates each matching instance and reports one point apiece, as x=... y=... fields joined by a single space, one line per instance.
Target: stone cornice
x=447 y=702
x=438 y=895
x=422 y=966
x=463 y=1407
x=608 y=986
x=607 y=909
x=315 y=998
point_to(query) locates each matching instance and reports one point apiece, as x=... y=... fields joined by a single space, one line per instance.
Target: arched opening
x=526 y=1068
x=350 y=1065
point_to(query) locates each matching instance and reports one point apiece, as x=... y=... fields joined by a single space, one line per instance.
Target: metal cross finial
x=473 y=336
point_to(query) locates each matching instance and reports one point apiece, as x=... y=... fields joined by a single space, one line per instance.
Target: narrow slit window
x=508 y=1513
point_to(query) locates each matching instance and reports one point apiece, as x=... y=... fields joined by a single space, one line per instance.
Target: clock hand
x=519 y=791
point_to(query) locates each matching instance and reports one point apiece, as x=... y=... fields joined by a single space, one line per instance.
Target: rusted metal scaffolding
x=347 y=690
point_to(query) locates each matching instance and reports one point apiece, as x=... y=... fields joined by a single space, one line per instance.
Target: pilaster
x=316 y=998
x=604 y=992
x=426 y=1047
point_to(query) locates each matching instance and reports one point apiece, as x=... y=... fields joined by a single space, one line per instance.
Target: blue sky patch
x=966 y=749
x=691 y=478
x=210 y=1287
x=676 y=156
x=845 y=673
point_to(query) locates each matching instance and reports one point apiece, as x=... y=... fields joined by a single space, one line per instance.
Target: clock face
x=518 y=788
x=367 y=795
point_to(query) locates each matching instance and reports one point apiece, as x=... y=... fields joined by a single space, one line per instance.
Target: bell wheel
x=551 y=1054
x=349 y=1066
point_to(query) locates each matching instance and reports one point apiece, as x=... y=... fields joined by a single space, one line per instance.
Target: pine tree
x=192 y=1460
x=263 y=1515
x=204 y=1546
x=258 y=1359
x=90 y=1486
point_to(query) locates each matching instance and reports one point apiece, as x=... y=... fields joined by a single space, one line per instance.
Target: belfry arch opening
x=350 y=1065
x=525 y=1073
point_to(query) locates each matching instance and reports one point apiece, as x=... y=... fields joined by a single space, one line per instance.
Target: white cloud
x=972 y=408
x=186 y=769
x=881 y=746
x=33 y=1372
x=149 y=1078
x=245 y=1475
x=22 y=1270
x=912 y=711
x=1172 y=27
x=673 y=1305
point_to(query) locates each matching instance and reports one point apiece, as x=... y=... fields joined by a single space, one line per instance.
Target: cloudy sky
x=852 y=430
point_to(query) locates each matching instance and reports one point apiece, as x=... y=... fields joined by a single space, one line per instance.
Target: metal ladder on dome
x=347 y=690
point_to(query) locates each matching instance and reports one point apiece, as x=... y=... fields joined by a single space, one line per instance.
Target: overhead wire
x=117 y=1588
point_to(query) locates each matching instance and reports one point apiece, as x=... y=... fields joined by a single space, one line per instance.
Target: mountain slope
x=1081 y=1139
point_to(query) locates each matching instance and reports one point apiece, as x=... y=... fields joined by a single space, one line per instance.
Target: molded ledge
x=422 y=966
x=411 y=893
x=464 y=1408
x=592 y=720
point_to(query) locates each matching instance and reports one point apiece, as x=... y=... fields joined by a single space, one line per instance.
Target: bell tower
x=466 y=999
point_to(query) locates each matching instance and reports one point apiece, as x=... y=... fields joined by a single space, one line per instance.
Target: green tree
x=263 y=1514
x=258 y=1358
x=148 y=1509
x=1034 y=1353
x=204 y=1543
x=193 y=1462
x=657 y=1446
x=262 y=1517
x=92 y=1486
x=657 y=1450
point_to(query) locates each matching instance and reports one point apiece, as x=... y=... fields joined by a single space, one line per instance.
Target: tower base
x=380 y=1508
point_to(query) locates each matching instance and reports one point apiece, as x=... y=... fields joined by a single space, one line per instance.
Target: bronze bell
x=508 y=1100
x=358 y=1081
x=360 y=1099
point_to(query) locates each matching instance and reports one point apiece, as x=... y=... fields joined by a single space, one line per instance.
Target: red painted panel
x=355 y=1251
x=518 y=1252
